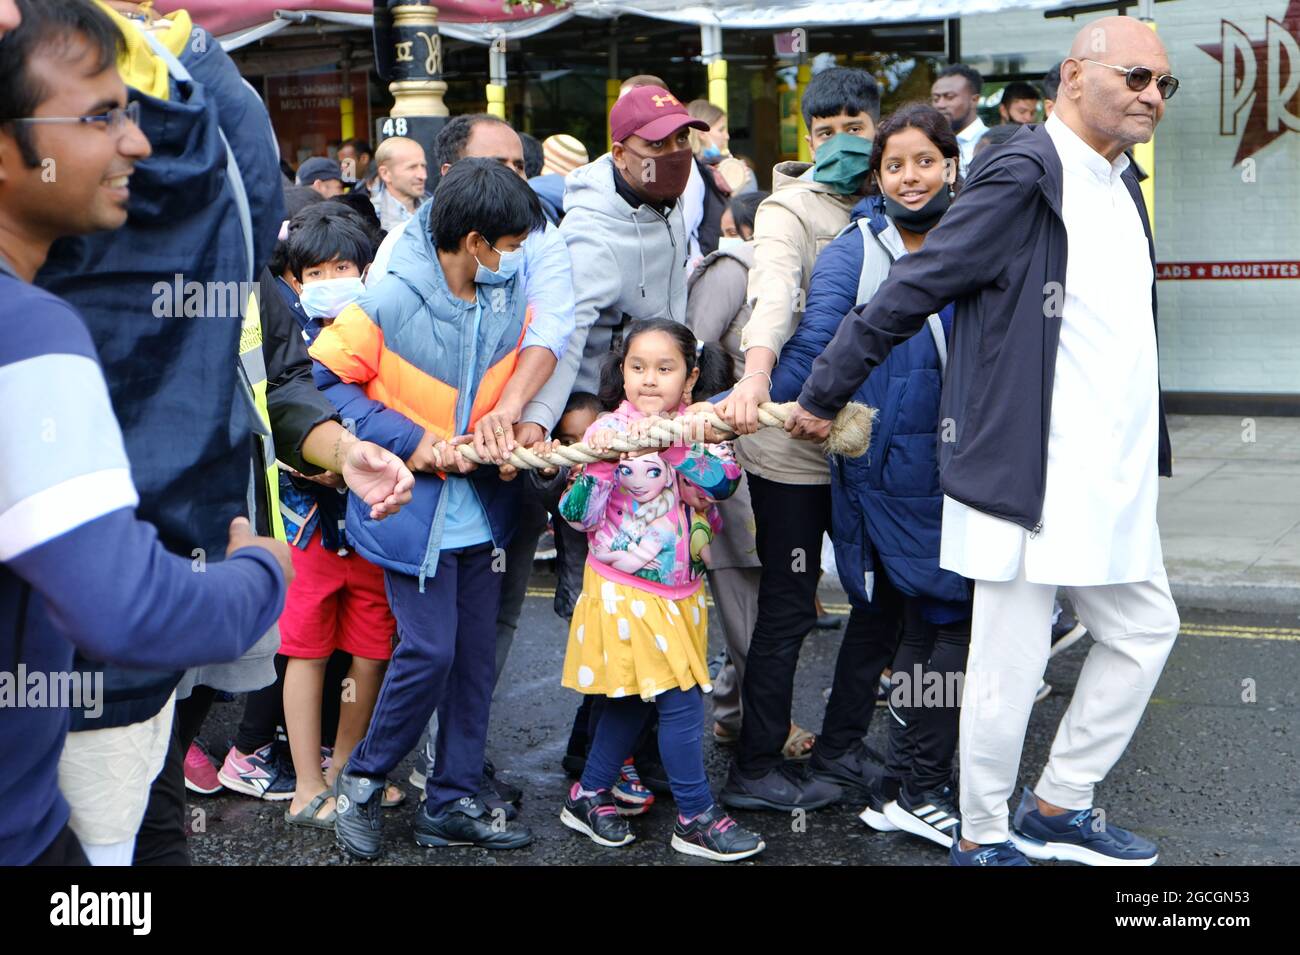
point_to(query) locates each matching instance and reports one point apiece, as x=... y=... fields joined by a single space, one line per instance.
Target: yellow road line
x=1238 y=631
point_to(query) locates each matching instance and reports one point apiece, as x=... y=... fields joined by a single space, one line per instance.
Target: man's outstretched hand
x=804 y=424
x=378 y=477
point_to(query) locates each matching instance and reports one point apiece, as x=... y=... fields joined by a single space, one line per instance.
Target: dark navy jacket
x=887 y=506
x=999 y=254
x=172 y=391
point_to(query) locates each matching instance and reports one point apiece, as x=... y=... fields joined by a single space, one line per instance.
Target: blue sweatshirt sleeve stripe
x=65 y=462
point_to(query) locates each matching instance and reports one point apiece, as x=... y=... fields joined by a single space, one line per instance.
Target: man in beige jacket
x=790 y=483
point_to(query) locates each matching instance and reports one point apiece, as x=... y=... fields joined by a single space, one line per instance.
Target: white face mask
x=730 y=242
x=328 y=297
x=506 y=268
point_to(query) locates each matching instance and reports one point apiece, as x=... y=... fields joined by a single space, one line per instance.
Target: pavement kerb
x=1191 y=594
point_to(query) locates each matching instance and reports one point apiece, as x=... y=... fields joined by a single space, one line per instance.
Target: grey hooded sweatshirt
x=628 y=263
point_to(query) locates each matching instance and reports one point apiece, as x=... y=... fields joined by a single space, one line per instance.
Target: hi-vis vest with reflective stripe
x=254 y=369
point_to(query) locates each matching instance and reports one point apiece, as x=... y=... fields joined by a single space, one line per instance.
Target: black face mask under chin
x=920 y=220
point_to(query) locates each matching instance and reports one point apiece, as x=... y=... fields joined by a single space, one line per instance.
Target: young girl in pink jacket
x=640 y=629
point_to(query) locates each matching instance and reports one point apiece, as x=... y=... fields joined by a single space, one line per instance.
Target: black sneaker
x=783 y=789
x=504 y=790
x=357 y=803
x=596 y=817
x=469 y=822
x=931 y=815
x=495 y=803
x=715 y=835
x=1066 y=632
x=491 y=798
x=857 y=767
x=879 y=797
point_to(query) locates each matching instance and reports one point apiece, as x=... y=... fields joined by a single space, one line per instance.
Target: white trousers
x=105 y=776
x=1133 y=625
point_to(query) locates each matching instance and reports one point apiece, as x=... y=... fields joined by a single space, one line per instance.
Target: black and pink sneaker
x=596 y=817
x=715 y=835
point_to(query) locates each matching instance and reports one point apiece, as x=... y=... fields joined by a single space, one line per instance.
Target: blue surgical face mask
x=506 y=268
x=710 y=153
x=730 y=242
x=328 y=297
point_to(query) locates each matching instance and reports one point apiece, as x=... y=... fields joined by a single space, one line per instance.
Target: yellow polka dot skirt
x=629 y=642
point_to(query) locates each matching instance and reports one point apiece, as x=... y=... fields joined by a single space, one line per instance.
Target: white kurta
x=966 y=141
x=1099 y=508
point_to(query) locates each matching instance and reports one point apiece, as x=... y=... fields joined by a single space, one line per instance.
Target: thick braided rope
x=667 y=433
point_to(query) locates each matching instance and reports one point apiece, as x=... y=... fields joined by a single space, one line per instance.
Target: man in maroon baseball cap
x=651 y=148
x=626 y=236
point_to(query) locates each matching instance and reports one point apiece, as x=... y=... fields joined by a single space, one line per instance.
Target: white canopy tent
x=724 y=14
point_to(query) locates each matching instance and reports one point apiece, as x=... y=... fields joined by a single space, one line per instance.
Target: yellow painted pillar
x=1145 y=154
x=347 y=119
x=347 y=123
x=718 y=84
x=804 y=78
x=496 y=100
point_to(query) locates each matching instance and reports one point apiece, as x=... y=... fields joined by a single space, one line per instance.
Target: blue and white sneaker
x=880 y=797
x=932 y=815
x=1003 y=853
x=1066 y=631
x=1075 y=837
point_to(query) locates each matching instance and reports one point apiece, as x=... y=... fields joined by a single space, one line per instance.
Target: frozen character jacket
x=638 y=512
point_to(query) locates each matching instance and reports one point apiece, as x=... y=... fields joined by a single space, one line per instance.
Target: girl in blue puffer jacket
x=887 y=505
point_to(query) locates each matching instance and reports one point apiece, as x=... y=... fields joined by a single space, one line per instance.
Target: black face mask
x=920 y=220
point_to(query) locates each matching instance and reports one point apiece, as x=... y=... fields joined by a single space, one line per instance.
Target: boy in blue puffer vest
x=423 y=362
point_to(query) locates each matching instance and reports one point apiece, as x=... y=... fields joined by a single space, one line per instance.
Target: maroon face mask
x=662 y=178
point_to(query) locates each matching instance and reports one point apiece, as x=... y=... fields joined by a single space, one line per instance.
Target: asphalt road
x=1210 y=774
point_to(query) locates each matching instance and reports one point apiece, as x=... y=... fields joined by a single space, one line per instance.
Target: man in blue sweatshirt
x=77 y=569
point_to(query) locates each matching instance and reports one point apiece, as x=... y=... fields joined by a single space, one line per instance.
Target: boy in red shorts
x=338 y=600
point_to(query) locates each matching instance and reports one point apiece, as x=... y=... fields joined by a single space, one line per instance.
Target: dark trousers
x=161 y=838
x=681 y=745
x=790 y=520
x=264 y=708
x=65 y=850
x=870 y=642
x=445 y=661
x=529 y=526
x=925 y=709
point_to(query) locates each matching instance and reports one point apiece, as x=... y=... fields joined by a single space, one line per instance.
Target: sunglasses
x=1138 y=78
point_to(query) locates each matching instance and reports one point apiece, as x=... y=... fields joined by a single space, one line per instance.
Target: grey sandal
x=307 y=817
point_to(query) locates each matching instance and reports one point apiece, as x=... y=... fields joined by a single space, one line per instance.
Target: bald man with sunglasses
x=1052 y=440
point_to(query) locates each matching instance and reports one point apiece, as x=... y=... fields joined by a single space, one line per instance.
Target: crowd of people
x=402 y=324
